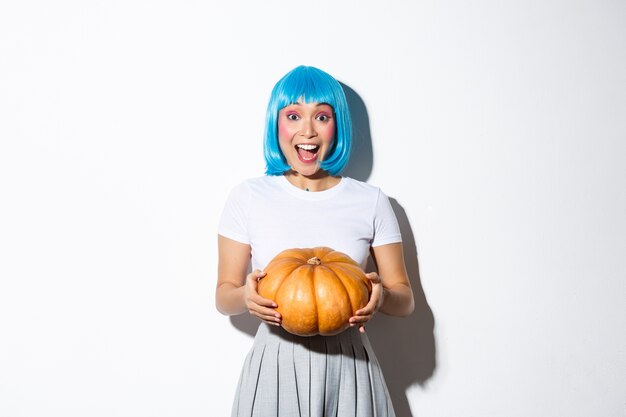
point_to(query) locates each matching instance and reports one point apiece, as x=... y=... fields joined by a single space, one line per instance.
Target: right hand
x=258 y=306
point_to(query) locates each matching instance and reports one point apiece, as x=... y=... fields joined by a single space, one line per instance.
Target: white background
x=497 y=127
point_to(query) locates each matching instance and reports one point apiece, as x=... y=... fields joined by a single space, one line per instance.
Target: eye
x=323 y=117
x=292 y=116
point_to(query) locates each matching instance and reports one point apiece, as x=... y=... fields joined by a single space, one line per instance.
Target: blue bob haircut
x=308 y=85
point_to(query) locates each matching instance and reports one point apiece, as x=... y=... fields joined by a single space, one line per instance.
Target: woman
x=303 y=202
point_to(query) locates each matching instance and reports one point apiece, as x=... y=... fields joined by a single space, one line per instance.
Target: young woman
x=303 y=202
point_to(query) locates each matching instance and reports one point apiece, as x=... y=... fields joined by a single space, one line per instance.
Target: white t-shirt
x=271 y=215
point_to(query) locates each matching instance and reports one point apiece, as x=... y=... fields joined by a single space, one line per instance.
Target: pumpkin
x=317 y=290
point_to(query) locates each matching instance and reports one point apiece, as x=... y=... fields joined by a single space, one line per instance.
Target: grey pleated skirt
x=320 y=376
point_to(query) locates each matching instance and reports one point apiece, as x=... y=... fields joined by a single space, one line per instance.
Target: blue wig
x=308 y=85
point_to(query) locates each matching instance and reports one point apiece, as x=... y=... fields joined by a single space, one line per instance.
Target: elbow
x=406 y=308
x=409 y=303
x=227 y=301
x=401 y=302
x=220 y=303
x=224 y=309
x=220 y=308
x=410 y=308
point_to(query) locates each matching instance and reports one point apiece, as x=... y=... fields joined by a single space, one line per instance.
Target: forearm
x=230 y=300
x=397 y=300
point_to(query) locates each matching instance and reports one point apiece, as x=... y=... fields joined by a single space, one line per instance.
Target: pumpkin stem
x=314 y=261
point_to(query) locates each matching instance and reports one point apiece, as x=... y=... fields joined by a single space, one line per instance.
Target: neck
x=318 y=182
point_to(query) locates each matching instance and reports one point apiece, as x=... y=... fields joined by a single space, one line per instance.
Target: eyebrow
x=317 y=105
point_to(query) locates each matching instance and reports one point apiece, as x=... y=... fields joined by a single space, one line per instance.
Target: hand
x=258 y=306
x=364 y=314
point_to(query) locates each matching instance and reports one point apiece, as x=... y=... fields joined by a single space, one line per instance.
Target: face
x=305 y=133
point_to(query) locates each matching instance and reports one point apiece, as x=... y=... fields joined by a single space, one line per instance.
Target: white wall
x=498 y=129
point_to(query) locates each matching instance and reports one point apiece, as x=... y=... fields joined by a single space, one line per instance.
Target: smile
x=307 y=152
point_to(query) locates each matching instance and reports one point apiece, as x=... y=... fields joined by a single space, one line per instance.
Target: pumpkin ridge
x=289 y=259
x=311 y=270
x=287 y=276
x=340 y=286
x=281 y=282
x=281 y=278
x=299 y=314
x=338 y=257
x=317 y=305
x=348 y=280
x=295 y=254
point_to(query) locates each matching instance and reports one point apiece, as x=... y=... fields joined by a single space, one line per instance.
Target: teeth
x=307 y=147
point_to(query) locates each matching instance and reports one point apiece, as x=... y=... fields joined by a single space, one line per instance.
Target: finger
x=373 y=276
x=264 y=302
x=365 y=311
x=255 y=276
x=360 y=318
x=266 y=307
x=361 y=326
x=370 y=307
x=269 y=318
x=267 y=314
x=252 y=293
x=269 y=321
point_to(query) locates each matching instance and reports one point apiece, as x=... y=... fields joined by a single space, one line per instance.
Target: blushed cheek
x=329 y=131
x=283 y=131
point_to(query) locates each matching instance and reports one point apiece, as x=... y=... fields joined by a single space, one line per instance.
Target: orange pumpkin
x=317 y=290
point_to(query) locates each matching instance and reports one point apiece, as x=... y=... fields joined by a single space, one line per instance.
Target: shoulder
x=362 y=188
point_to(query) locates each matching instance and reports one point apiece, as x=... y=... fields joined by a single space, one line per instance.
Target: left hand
x=364 y=314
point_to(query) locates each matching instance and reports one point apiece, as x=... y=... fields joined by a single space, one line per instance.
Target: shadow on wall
x=361 y=160
x=405 y=347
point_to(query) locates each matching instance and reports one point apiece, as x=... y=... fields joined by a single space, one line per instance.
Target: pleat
x=333 y=376
x=317 y=349
x=288 y=396
x=266 y=399
x=381 y=402
x=364 y=399
x=347 y=390
x=302 y=365
x=246 y=396
x=238 y=397
x=291 y=376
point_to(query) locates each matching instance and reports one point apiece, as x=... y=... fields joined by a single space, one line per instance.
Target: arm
x=236 y=292
x=397 y=292
x=391 y=288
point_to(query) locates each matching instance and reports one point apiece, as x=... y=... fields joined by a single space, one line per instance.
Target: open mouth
x=307 y=152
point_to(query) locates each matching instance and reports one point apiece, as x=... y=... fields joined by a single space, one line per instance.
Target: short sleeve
x=386 y=228
x=234 y=220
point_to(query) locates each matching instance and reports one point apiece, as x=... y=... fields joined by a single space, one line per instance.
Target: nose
x=308 y=128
